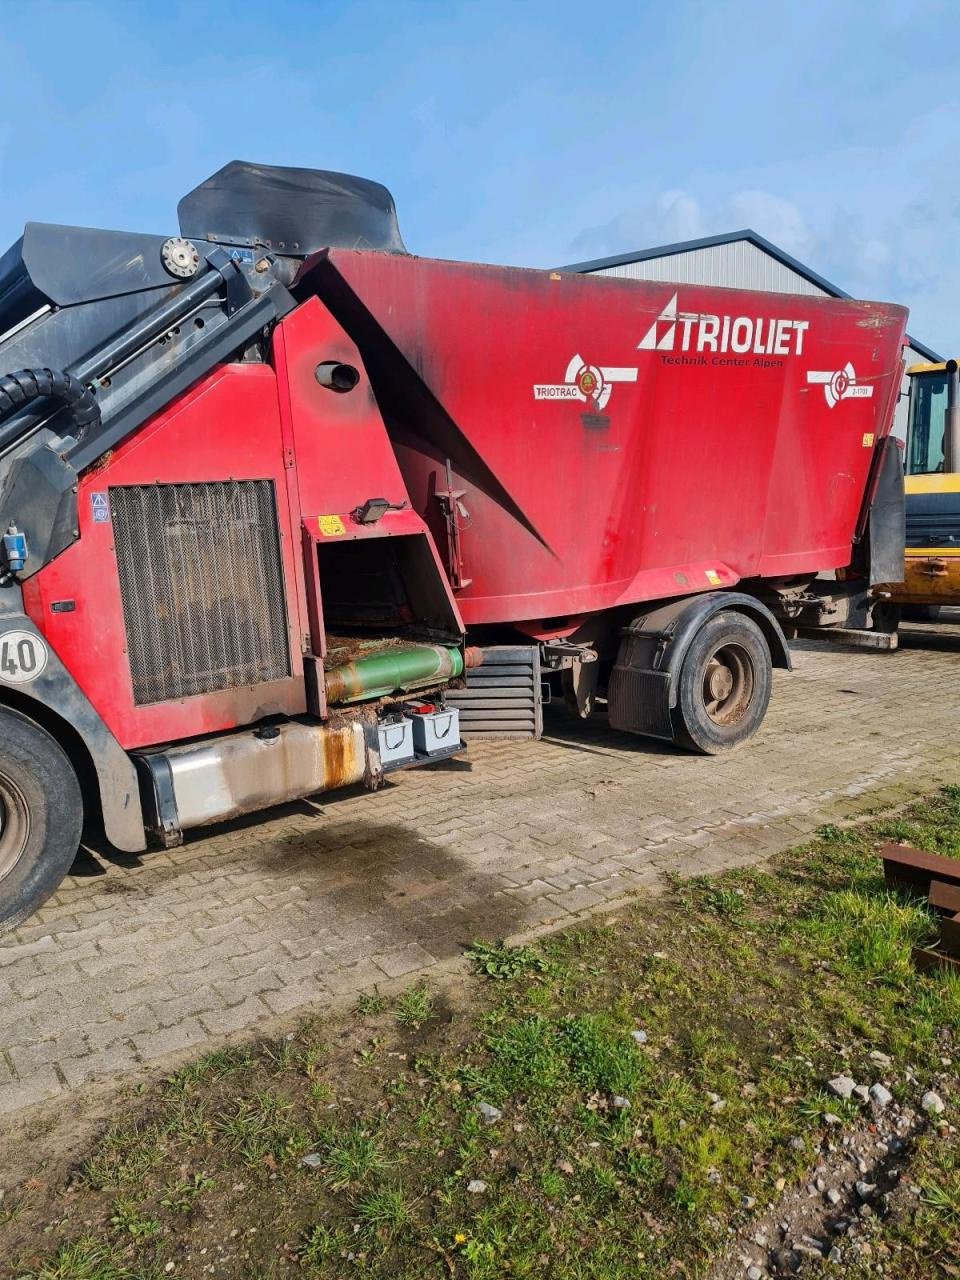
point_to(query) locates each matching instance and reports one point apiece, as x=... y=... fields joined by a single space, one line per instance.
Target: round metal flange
x=180 y=258
x=728 y=684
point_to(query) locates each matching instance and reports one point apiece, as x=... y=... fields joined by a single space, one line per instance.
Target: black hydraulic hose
x=19 y=389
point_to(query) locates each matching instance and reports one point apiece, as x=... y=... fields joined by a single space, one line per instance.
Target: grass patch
x=85 y=1259
x=414 y=1007
x=351 y=1155
x=596 y=1106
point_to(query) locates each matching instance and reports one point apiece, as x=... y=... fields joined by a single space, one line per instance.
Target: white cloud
x=773 y=217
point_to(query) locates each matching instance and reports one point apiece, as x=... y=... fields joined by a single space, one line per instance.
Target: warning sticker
x=867 y=439
x=713 y=577
x=330 y=526
x=100 y=507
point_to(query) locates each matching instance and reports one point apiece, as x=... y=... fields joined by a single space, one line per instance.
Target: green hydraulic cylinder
x=395 y=671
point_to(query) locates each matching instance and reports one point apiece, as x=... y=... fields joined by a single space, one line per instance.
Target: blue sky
x=531 y=133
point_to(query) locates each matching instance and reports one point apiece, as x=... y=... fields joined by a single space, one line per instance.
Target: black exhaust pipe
x=951 y=423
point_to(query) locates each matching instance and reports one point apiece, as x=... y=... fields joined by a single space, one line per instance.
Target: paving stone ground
x=136 y=958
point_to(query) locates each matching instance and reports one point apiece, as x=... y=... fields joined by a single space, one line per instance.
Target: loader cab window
x=928 y=403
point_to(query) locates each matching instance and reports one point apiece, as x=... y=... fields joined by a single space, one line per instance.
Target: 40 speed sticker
x=23 y=656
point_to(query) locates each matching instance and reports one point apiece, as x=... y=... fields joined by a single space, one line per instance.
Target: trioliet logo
x=675 y=330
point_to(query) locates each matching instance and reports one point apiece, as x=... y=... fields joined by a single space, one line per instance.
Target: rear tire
x=724 y=685
x=41 y=817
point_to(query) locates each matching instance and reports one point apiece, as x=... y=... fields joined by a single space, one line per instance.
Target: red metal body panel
x=326 y=454
x=619 y=441
x=339 y=451
x=227 y=427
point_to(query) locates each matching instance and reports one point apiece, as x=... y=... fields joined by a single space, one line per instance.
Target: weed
x=944 y=1199
x=262 y=1126
x=125 y=1157
x=723 y=901
x=370 y=1003
x=320 y=1092
x=600 y=1056
x=552 y=1184
x=525 y=1057
x=350 y=1156
x=84 y=1259
x=500 y=960
x=310 y=1059
x=319 y=1244
x=370 y=1050
x=186 y=1120
x=214 y=1065
x=386 y=1212
x=830 y=833
x=280 y=1054
x=414 y=1007
x=182 y=1196
x=688 y=1198
x=128 y=1220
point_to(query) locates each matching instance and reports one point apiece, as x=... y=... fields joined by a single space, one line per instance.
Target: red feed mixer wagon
x=277 y=496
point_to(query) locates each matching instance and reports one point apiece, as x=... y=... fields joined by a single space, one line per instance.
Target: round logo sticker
x=23 y=656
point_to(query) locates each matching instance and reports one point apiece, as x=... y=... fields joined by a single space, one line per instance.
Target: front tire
x=724 y=685
x=41 y=817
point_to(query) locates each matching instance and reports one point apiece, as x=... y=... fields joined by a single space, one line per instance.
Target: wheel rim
x=14 y=825
x=727 y=684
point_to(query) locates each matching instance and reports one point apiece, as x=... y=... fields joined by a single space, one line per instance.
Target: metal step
x=503 y=697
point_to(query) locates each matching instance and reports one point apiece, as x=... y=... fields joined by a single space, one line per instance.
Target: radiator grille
x=202 y=586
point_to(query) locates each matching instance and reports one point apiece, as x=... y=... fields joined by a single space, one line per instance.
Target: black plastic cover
x=291 y=211
x=886 y=528
x=66 y=266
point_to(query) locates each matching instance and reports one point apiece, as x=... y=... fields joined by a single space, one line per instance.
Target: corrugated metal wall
x=741 y=265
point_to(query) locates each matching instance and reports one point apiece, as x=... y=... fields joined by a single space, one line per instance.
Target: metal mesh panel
x=202 y=586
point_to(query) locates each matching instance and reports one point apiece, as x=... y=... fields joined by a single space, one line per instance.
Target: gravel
x=880 y=1095
x=843 y=1086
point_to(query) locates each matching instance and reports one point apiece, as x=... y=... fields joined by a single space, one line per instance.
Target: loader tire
x=724 y=685
x=921 y=613
x=41 y=816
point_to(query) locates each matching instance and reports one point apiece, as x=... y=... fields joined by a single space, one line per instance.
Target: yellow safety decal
x=713 y=577
x=330 y=526
x=867 y=439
